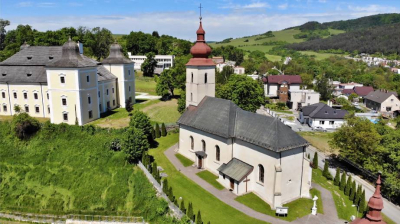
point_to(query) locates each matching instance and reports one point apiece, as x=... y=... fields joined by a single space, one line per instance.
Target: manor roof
x=224 y=118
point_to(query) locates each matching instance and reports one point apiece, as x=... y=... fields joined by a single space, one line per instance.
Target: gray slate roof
x=236 y=169
x=224 y=118
x=116 y=56
x=18 y=66
x=323 y=111
x=379 y=96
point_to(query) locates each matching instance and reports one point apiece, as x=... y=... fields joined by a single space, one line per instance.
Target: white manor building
x=60 y=83
x=163 y=61
x=249 y=152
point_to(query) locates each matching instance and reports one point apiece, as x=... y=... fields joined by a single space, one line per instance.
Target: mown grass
x=210 y=178
x=145 y=84
x=185 y=161
x=297 y=209
x=319 y=56
x=70 y=169
x=163 y=111
x=320 y=140
x=212 y=209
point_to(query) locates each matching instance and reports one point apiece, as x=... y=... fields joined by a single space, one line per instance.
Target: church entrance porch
x=200 y=155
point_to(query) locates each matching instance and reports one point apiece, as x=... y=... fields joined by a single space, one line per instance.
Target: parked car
x=319 y=129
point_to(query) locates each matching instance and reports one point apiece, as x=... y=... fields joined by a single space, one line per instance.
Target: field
x=320 y=140
x=145 y=84
x=55 y=172
x=212 y=209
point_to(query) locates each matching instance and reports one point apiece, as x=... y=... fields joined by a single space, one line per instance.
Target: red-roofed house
x=275 y=85
x=362 y=91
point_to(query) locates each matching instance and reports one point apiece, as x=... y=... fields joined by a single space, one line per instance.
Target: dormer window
x=29 y=57
x=334 y=112
x=29 y=74
x=326 y=112
x=51 y=57
x=4 y=74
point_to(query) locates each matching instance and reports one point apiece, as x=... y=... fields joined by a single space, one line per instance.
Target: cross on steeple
x=200 y=12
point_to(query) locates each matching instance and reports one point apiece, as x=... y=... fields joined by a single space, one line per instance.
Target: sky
x=221 y=18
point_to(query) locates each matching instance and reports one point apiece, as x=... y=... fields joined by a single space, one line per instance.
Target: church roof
x=200 y=50
x=224 y=118
x=236 y=169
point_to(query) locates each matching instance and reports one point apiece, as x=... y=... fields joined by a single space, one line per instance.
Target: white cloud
x=46 y=4
x=372 y=8
x=254 y=5
x=283 y=6
x=24 y=4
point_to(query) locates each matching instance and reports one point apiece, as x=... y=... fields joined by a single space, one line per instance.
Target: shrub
x=315 y=161
x=362 y=204
x=165 y=186
x=342 y=185
x=336 y=181
x=198 y=220
x=190 y=212
x=158 y=134
x=326 y=172
x=358 y=195
x=348 y=187
x=163 y=130
x=183 y=209
x=128 y=105
x=135 y=144
x=24 y=126
x=141 y=121
x=153 y=133
x=115 y=145
x=182 y=102
x=353 y=191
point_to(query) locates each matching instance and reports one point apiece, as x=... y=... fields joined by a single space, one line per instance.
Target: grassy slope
x=211 y=208
x=319 y=140
x=283 y=35
x=210 y=178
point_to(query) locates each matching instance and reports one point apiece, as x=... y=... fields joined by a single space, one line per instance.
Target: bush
x=24 y=126
x=198 y=220
x=353 y=191
x=348 y=187
x=115 y=145
x=315 y=161
x=135 y=144
x=128 y=105
x=182 y=102
x=343 y=181
x=183 y=209
x=163 y=130
x=158 y=134
x=140 y=120
x=190 y=212
x=326 y=172
x=336 y=181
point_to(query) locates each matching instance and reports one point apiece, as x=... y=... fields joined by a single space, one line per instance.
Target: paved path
x=146 y=96
x=389 y=209
x=227 y=197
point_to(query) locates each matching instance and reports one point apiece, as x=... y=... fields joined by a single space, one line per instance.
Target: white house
x=272 y=84
x=249 y=152
x=322 y=115
x=163 y=61
x=382 y=101
x=301 y=98
x=236 y=69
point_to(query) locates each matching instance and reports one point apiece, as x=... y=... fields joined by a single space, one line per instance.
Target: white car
x=319 y=129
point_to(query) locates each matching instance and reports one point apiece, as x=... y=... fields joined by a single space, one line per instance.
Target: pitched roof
x=103 y=74
x=34 y=55
x=290 y=79
x=236 y=169
x=347 y=91
x=379 y=96
x=116 y=56
x=323 y=111
x=224 y=118
x=23 y=74
x=363 y=90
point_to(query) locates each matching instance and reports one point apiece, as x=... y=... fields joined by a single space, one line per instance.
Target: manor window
x=48 y=96
x=107 y=92
x=64 y=101
x=112 y=90
x=4 y=108
x=35 y=95
x=261 y=173
x=129 y=88
x=3 y=94
x=37 y=110
x=27 y=109
x=48 y=109
x=217 y=152
x=89 y=100
x=129 y=72
x=98 y=93
x=62 y=79
x=90 y=114
x=65 y=117
x=192 y=78
x=191 y=143
x=87 y=78
x=15 y=95
x=113 y=102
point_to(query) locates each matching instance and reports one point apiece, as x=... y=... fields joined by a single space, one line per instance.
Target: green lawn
x=185 y=161
x=273 y=57
x=320 y=140
x=212 y=209
x=320 y=56
x=297 y=209
x=210 y=178
x=145 y=84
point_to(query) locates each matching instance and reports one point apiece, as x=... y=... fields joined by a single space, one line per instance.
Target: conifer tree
x=315 y=161
x=362 y=203
x=326 y=173
x=171 y=195
x=163 y=130
x=336 y=182
x=165 y=186
x=153 y=133
x=158 y=134
x=208 y=222
x=348 y=187
x=353 y=191
x=343 y=182
x=198 y=220
x=358 y=195
x=183 y=209
x=190 y=211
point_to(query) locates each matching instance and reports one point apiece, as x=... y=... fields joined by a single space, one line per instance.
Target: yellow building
x=62 y=84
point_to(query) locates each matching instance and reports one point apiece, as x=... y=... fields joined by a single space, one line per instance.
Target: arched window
x=205 y=78
x=260 y=173
x=217 y=152
x=203 y=143
x=191 y=143
x=192 y=78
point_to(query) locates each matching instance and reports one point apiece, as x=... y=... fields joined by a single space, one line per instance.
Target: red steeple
x=200 y=50
x=375 y=205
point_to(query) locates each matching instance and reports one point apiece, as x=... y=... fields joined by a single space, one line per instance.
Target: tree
x=128 y=105
x=190 y=213
x=173 y=78
x=171 y=194
x=163 y=130
x=352 y=96
x=183 y=208
x=155 y=34
x=353 y=191
x=358 y=195
x=165 y=186
x=357 y=139
x=182 y=102
x=17 y=108
x=348 y=186
x=324 y=87
x=230 y=53
x=135 y=144
x=198 y=219
x=158 y=134
x=315 y=161
x=326 y=172
x=3 y=24
x=342 y=185
x=245 y=92
x=24 y=126
x=153 y=133
x=149 y=64
x=99 y=41
x=141 y=121
x=221 y=77
x=362 y=204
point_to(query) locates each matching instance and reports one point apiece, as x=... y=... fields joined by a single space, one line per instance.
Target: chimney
x=80 y=45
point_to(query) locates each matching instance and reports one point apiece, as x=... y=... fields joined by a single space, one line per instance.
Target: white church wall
x=292 y=173
x=210 y=162
x=196 y=86
x=254 y=156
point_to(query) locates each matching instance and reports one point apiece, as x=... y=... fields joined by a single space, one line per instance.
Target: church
x=249 y=152
x=60 y=83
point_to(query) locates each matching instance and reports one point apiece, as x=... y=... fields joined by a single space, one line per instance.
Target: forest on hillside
x=383 y=39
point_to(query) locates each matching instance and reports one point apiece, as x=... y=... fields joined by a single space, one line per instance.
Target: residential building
x=249 y=152
x=60 y=83
x=236 y=69
x=323 y=116
x=279 y=85
x=300 y=98
x=163 y=61
x=361 y=91
x=346 y=87
x=382 y=101
x=218 y=60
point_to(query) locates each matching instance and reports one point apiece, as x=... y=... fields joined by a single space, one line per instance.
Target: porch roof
x=236 y=169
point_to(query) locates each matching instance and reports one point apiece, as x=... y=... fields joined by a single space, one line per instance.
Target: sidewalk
x=227 y=197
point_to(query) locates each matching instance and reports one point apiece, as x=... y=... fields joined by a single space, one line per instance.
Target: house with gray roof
x=383 y=101
x=322 y=116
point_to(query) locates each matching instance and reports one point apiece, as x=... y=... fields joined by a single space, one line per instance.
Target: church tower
x=200 y=71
